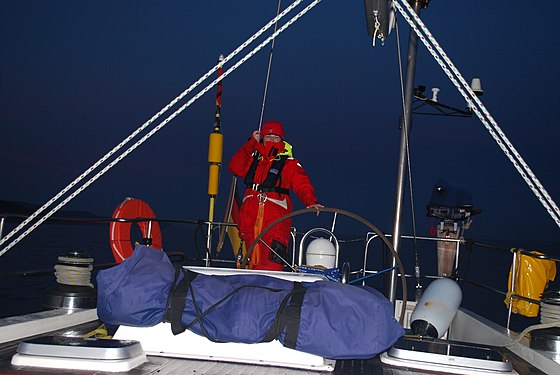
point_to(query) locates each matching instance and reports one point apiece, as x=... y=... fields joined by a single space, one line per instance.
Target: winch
x=74 y=289
x=548 y=339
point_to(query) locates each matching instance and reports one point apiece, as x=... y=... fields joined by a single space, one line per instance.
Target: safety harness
x=272 y=182
x=273 y=177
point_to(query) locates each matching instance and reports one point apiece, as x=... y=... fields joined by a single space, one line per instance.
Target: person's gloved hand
x=316 y=206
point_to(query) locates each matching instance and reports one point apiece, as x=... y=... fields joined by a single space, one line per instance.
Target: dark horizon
x=78 y=78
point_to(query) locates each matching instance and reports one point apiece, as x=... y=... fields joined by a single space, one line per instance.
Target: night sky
x=79 y=76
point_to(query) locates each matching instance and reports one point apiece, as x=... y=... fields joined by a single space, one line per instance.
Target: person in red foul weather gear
x=269 y=171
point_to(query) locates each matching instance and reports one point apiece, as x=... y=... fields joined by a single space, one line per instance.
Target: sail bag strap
x=178 y=299
x=167 y=312
x=288 y=317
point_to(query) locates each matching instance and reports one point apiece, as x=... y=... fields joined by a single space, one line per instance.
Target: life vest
x=273 y=180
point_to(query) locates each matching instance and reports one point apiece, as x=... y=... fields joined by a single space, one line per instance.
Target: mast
x=406 y=122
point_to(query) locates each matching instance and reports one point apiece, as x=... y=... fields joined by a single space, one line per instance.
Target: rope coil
x=74 y=269
x=550 y=313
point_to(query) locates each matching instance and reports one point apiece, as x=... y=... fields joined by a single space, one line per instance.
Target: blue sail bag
x=329 y=319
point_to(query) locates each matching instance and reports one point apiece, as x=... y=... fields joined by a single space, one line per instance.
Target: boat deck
x=60 y=323
x=164 y=365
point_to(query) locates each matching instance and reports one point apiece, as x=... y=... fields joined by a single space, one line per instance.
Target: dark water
x=38 y=253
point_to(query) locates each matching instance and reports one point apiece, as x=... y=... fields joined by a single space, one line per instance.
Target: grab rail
x=362 y=273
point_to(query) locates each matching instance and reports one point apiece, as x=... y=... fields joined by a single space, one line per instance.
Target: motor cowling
x=450 y=202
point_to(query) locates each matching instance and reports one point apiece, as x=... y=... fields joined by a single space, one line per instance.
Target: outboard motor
x=451 y=203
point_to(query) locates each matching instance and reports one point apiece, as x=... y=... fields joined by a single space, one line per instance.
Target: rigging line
x=159 y=126
x=493 y=128
x=489 y=123
x=405 y=129
x=97 y=164
x=268 y=69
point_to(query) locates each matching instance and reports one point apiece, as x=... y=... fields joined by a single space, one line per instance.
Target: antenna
x=435 y=91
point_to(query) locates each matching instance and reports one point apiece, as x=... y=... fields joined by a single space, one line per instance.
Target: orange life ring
x=119 y=232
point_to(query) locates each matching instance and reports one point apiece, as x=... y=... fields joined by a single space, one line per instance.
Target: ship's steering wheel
x=345 y=213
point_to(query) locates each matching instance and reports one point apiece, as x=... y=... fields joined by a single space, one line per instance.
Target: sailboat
x=469 y=332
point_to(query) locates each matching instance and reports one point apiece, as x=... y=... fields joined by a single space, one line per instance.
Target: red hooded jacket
x=292 y=177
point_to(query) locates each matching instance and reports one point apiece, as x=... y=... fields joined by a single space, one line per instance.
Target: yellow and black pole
x=215 y=151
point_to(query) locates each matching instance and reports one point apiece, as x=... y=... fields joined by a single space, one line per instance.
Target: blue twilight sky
x=78 y=76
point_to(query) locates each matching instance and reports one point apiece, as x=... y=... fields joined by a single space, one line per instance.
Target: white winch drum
x=321 y=252
x=436 y=309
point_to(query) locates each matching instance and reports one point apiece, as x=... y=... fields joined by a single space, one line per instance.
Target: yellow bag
x=532 y=276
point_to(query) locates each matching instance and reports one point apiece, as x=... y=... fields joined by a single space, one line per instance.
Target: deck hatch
x=79 y=353
x=448 y=354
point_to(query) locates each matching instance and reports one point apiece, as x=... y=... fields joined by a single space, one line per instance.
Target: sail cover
x=325 y=318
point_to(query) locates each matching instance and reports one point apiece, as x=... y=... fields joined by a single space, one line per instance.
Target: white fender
x=436 y=309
